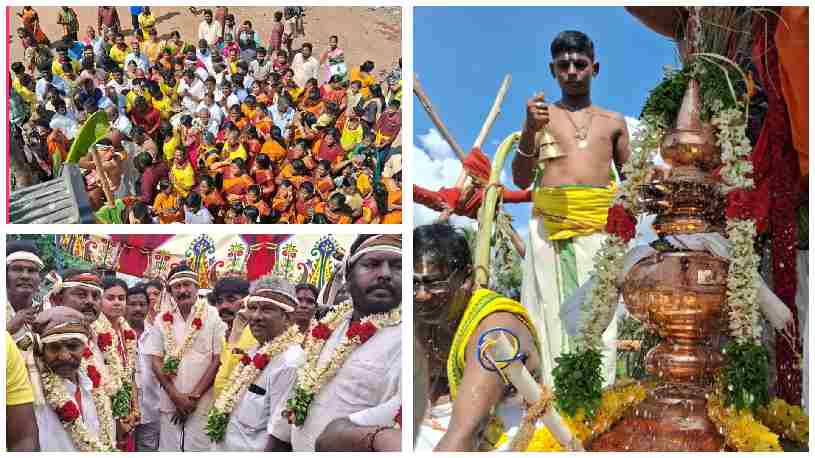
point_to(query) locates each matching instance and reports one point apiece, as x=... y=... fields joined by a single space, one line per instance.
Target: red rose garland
x=321 y=331
x=621 y=223
x=129 y=334
x=260 y=361
x=167 y=317
x=246 y=360
x=94 y=375
x=197 y=323
x=68 y=412
x=105 y=340
x=364 y=330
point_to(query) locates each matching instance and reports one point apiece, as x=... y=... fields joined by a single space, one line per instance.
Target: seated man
x=451 y=314
x=76 y=413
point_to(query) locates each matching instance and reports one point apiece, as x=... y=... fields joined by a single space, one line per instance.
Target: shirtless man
x=571 y=193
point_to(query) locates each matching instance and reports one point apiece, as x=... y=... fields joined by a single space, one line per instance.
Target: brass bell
x=547 y=146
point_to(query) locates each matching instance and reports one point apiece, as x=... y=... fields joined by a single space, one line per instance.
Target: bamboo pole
x=486 y=216
x=494 y=112
x=428 y=107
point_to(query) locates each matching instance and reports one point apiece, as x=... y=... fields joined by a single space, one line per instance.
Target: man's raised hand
x=537 y=113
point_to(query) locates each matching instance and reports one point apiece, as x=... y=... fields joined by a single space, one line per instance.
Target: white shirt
x=196 y=89
x=140 y=60
x=368 y=378
x=251 y=422
x=208 y=342
x=282 y=120
x=305 y=69
x=210 y=32
x=203 y=215
x=53 y=436
x=123 y=124
x=216 y=114
x=149 y=388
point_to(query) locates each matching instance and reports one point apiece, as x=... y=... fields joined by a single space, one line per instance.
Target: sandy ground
x=365 y=33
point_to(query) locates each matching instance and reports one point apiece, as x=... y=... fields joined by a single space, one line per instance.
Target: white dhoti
x=553 y=269
x=189 y=436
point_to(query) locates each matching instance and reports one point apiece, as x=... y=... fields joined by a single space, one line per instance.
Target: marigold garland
x=242 y=376
x=312 y=376
x=172 y=353
x=790 y=422
x=740 y=428
x=615 y=402
x=68 y=412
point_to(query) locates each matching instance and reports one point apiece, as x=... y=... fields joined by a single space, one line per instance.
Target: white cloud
x=434 y=173
x=435 y=146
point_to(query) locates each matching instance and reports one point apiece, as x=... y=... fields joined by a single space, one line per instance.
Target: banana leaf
x=94 y=129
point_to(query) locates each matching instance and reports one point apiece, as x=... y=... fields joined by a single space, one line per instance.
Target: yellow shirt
x=239 y=152
x=146 y=22
x=18 y=387
x=170 y=146
x=163 y=107
x=56 y=67
x=183 y=179
x=130 y=99
x=118 y=55
x=350 y=137
x=230 y=360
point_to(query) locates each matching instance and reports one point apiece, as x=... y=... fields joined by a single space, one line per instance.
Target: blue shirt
x=136 y=9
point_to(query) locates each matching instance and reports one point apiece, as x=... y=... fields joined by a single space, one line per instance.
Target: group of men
x=228 y=128
x=103 y=366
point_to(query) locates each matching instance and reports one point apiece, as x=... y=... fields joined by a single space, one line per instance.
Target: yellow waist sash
x=482 y=304
x=571 y=211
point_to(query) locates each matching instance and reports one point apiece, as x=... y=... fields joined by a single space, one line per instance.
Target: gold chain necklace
x=581 y=133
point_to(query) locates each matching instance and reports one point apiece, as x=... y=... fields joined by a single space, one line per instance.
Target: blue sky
x=461 y=54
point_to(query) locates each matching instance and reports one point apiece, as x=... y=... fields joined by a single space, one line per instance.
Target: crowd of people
x=159 y=366
x=231 y=128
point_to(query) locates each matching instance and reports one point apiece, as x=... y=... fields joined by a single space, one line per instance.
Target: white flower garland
x=601 y=302
x=122 y=372
x=736 y=173
x=244 y=374
x=56 y=394
x=312 y=376
x=171 y=348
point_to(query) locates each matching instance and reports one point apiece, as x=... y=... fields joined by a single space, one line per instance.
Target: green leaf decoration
x=94 y=129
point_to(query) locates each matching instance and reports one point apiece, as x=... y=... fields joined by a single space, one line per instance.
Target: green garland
x=746 y=375
x=170 y=365
x=120 y=402
x=216 y=425
x=299 y=405
x=578 y=381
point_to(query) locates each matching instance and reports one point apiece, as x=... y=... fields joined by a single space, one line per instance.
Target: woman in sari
x=238 y=184
x=373 y=107
x=333 y=61
x=31 y=22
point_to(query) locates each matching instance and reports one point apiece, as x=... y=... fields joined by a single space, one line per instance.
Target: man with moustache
x=369 y=375
x=148 y=429
x=451 y=315
x=81 y=290
x=23 y=266
x=67 y=390
x=269 y=311
x=185 y=372
x=227 y=297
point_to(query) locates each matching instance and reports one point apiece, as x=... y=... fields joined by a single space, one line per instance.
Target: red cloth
x=776 y=165
x=262 y=254
x=478 y=165
x=448 y=198
x=150 y=179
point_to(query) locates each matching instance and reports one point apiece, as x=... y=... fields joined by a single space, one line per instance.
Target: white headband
x=72 y=284
x=183 y=276
x=25 y=256
x=65 y=336
x=253 y=298
x=349 y=261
